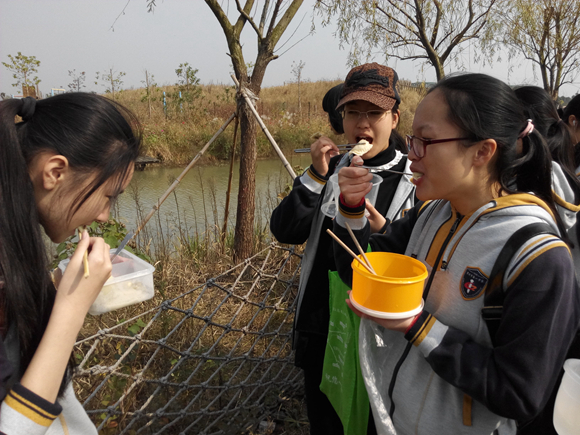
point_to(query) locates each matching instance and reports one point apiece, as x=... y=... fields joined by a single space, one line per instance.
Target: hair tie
x=529 y=128
x=27 y=109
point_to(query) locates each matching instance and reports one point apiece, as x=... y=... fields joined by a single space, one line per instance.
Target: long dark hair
x=329 y=103
x=486 y=108
x=99 y=138
x=541 y=109
x=573 y=108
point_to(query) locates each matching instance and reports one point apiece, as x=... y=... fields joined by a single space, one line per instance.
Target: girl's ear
x=396 y=115
x=55 y=169
x=484 y=152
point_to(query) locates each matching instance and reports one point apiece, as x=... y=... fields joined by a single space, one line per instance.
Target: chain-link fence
x=217 y=359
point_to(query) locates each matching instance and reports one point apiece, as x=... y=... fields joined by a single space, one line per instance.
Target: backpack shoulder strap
x=495 y=293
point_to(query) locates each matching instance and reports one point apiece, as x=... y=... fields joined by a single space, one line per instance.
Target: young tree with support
x=269 y=21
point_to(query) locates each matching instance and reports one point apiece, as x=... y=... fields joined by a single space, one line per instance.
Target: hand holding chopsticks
x=341 y=243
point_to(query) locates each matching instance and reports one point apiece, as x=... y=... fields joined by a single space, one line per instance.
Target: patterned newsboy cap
x=371 y=82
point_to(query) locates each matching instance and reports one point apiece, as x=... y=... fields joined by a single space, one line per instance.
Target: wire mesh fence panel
x=216 y=359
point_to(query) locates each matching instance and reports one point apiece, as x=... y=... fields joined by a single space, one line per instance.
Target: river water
x=198 y=202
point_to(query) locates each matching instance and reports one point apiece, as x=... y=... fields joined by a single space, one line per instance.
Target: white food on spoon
x=362 y=147
x=416 y=176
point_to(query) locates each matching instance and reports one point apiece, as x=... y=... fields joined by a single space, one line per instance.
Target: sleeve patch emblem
x=473 y=283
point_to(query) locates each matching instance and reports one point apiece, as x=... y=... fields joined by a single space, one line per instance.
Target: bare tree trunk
x=230 y=177
x=244 y=236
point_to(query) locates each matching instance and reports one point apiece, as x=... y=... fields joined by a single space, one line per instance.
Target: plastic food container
x=331 y=199
x=131 y=282
x=567 y=407
x=396 y=292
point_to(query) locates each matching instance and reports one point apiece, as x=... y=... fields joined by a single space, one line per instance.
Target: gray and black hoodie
x=453 y=380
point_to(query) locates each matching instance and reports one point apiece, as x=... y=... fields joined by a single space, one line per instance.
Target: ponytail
x=532 y=170
x=539 y=106
x=329 y=103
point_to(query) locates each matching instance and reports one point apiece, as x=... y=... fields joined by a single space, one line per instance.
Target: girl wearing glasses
x=369 y=104
x=441 y=371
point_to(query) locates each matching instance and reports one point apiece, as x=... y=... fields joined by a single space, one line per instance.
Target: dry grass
x=410 y=99
x=225 y=339
x=177 y=133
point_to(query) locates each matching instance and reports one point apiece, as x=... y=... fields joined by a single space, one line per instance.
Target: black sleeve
x=291 y=220
x=540 y=319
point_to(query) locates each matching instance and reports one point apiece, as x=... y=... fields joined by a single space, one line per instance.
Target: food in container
x=131 y=282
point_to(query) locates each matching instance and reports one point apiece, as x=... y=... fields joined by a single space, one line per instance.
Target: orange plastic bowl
x=396 y=288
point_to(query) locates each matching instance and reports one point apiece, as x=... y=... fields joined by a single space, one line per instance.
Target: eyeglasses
x=418 y=144
x=372 y=116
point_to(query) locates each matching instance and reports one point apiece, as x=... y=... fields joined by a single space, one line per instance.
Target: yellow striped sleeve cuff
x=25 y=412
x=312 y=180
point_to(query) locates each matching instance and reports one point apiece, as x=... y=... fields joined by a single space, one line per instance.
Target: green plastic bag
x=342 y=380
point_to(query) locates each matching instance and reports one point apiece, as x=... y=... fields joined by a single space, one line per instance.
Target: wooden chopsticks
x=85 y=255
x=341 y=243
x=360 y=249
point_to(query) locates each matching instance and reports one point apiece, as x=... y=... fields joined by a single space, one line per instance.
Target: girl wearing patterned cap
x=369 y=103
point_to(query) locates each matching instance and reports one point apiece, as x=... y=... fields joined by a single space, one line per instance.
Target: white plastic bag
x=372 y=350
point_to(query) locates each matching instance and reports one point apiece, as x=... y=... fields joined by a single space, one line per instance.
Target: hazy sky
x=78 y=34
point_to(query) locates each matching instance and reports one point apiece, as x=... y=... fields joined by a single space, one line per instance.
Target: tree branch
x=437 y=21
x=249 y=19
x=275 y=32
x=264 y=15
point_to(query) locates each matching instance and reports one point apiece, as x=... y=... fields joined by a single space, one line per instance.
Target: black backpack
x=542 y=424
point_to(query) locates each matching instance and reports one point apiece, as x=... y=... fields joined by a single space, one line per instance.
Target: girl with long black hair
x=541 y=109
x=483 y=172
x=61 y=167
